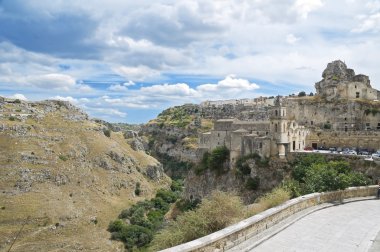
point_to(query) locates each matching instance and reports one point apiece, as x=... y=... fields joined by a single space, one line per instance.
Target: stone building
x=345 y=112
x=277 y=136
x=341 y=82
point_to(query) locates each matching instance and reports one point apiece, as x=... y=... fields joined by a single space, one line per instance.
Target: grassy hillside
x=62 y=179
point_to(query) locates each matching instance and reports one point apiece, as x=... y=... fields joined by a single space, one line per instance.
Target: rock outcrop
x=340 y=82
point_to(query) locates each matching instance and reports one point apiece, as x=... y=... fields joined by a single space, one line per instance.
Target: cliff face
x=62 y=179
x=260 y=179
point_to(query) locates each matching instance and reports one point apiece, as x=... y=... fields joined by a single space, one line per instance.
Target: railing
x=241 y=231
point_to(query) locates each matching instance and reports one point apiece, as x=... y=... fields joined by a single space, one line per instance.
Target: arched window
x=275 y=127
x=276 y=113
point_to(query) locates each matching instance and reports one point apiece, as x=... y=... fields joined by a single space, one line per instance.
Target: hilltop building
x=345 y=112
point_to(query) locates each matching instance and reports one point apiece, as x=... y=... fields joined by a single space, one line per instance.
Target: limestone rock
x=155 y=172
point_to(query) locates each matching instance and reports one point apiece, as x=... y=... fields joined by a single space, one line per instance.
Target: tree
x=302 y=93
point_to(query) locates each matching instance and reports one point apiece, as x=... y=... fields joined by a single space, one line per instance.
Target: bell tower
x=279 y=127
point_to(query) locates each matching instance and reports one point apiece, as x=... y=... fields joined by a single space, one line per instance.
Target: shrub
x=185 y=205
x=302 y=93
x=214 y=213
x=133 y=235
x=167 y=196
x=107 y=132
x=176 y=186
x=217 y=158
x=314 y=174
x=137 y=189
x=274 y=198
x=63 y=157
x=116 y=226
x=12 y=118
x=17 y=101
x=253 y=183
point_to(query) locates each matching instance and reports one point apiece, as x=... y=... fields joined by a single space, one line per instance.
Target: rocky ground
x=62 y=179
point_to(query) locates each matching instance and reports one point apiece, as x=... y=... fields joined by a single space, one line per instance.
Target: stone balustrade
x=241 y=231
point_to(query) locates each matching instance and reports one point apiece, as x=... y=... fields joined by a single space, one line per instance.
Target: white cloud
x=369 y=23
x=67 y=98
x=139 y=73
x=179 y=89
x=291 y=39
x=304 y=7
x=18 y=96
x=51 y=81
x=121 y=87
x=230 y=84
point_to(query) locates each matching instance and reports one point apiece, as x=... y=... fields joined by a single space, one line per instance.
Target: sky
x=126 y=61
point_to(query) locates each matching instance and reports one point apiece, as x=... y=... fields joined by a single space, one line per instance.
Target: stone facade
x=345 y=112
x=277 y=136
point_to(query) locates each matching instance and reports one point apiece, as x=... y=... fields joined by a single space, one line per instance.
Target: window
x=357 y=95
x=275 y=127
x=378 y=126
x=311 y=122
x=276 y=113
x=218 y=135
x=367 y=126
x=261 y=145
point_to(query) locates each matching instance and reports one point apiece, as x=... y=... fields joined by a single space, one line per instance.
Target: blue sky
x=125 y=61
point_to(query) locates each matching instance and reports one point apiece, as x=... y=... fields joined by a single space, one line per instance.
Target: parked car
x=308 y=148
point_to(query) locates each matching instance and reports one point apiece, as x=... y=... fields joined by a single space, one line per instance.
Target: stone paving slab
x=352 y=226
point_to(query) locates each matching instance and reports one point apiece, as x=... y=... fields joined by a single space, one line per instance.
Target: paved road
x=352 y=226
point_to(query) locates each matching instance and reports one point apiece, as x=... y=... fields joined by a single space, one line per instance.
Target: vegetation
x=374 y=111
x=242 y=166
x=138 y=189
x=274 y=198
x=302 y=93
x=327 y=126
x=12 y=118
x=253 y=183
x=144 y=218
x=214 y=213
x=312 y=173
x=63 y=157
x=176 y=116
x=107 y=132
x=214 y=160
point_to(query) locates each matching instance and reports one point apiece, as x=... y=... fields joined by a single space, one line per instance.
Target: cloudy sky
x=125 y=61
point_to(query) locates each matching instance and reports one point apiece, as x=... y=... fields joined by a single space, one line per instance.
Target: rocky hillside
x=63 y=177
x=173 y=136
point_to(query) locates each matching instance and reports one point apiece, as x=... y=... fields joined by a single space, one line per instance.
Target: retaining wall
x=239 y=232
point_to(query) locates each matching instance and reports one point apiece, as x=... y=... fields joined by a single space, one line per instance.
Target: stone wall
x=239 y=232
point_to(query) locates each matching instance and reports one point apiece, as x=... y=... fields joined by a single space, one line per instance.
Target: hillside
x=62 y=179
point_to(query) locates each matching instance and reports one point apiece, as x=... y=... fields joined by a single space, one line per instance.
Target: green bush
x=214 y=213
x=107 y=132
x=185 y=205
x=314 y=174
x=167 y=196
x=116 y=226
x=133 y=235
x=214 y=160
x=253 y=183
x=12 y=118
x=63 y=157
x=218 y=157
x=138 y=189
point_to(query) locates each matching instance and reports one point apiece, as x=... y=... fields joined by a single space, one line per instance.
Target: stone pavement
x=353 y=226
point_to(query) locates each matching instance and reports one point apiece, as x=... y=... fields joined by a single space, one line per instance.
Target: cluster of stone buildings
x=345 y=112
